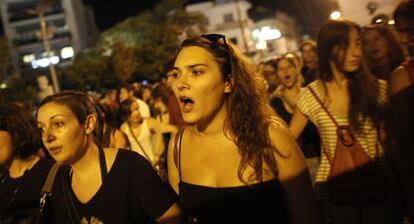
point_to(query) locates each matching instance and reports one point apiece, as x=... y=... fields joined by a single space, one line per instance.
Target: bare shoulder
x=280 y=136
x=287 y=153
x=123 y=127
x=399 y=80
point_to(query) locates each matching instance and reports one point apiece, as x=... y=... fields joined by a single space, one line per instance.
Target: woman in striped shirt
x=353 y=97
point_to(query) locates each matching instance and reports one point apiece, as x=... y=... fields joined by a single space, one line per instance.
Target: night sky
x=310 y=14
x=109 y=12
x=112 y=11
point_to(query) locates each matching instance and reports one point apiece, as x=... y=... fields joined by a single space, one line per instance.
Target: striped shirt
x=368 y=139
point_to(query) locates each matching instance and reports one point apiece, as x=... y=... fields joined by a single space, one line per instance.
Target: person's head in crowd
x=125 y=92
x=215 y=82
x=70 y=123
x=404 y=23
x=108 y=114
x=129 y=110
x=381 y=50
x=380 y=19
x=296 y=59
x=339 y=52
x=146 y=91
x=287 y=72
x=19 y=135
x=269 y=73
x=161 y=94
x=308 y=50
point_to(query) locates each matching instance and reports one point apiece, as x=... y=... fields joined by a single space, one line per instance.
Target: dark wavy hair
x=81 y=105
x=362 y=87
x=249 y=111
x=395 y=54
x=22 y=127
x=125 y=109
x=404 y=9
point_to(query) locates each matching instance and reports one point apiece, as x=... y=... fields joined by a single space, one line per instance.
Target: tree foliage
x=89 y=71
x=154 y=35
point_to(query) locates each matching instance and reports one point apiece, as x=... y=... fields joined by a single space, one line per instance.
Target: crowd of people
x=323 y=135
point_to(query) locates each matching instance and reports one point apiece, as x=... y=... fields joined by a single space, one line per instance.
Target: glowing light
x=378 y=21
x=44 y=62
x=27 y=58
x=67 y=52
x=261 y=45
x=266 y=33
x=391 y=22
x=336 y=15
x=3 y=86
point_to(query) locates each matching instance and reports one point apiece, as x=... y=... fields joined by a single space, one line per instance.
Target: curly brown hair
x=249 y=114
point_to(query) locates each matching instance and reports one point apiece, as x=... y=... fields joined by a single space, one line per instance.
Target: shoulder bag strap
x=323 y=106
x=47 y=187
x=330 y=160
x=139 y=144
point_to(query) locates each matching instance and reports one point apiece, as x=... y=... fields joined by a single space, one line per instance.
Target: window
x=228 y=17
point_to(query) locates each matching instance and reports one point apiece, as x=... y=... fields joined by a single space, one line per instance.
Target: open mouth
x=55 y=150
x=376 y=51
x=187 y=104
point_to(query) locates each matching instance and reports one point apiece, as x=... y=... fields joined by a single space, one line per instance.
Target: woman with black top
x=22 y=173
x=104 y=186
x=284 y=103
x=235 y=162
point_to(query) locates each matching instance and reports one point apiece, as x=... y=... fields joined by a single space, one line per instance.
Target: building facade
x=68 y=28
x=230 y=18
x=362 y=11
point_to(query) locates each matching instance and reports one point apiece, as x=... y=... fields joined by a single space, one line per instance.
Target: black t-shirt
x=310 y=74
x=131 y=193
x=309 y=140
x=18 y=195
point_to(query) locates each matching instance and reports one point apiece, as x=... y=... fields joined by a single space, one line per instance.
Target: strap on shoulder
x=177 y=150
x=50 y=179
x=323 y=106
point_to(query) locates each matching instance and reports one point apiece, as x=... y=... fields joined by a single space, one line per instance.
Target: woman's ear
x=228 y=85
x=90 y=123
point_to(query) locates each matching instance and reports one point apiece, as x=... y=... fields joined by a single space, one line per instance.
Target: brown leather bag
x=353 y=177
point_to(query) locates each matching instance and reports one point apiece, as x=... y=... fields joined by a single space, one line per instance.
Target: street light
x=336 y=15
x=40 y=11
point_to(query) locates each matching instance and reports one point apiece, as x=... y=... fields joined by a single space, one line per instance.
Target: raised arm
x=160 y=127
x=298 y=123
x=294 y=176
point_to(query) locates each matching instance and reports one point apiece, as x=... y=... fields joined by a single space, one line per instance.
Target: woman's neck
x=18 y=166
x=90 y=155
x=214 y=124
x=339 y=77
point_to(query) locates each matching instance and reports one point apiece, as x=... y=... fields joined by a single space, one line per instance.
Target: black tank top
x=258 y=203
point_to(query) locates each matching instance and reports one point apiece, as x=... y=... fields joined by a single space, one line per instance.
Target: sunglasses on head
x=215 y=37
